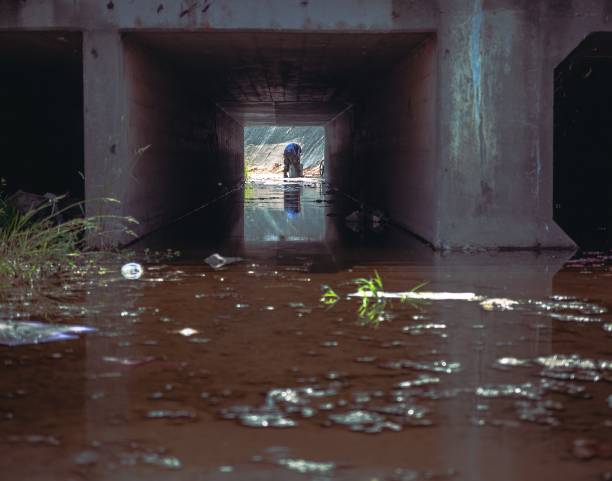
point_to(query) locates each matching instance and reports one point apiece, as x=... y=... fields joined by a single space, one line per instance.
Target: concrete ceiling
x=281 y=78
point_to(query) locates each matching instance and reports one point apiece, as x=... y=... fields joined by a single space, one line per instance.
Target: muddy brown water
x=242 y=373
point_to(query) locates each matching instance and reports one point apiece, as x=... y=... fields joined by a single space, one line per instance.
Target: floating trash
x=217 y=261
x=17 y=333
x=132 y=270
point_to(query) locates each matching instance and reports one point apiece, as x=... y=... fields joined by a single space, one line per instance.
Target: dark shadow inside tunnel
x=41 y=117
x=583 y=143
x=191 y=94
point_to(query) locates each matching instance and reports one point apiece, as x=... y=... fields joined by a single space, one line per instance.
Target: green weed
x=35 y=246
x=374 y=307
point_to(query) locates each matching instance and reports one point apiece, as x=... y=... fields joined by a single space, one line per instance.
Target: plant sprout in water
x=373 y=306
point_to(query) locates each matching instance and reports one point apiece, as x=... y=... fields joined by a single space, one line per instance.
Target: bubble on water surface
x=132 y=270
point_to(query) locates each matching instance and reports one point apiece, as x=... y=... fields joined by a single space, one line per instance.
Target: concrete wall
x=494 y=93
x=395 y=142
x=340 y=169
x=182 y=149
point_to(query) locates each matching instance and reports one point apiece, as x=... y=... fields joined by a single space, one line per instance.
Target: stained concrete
x=480 y=175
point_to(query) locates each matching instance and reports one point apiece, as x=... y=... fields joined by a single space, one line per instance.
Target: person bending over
x=291 y=158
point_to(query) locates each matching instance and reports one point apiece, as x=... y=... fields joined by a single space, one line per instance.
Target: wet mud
x=499 y=368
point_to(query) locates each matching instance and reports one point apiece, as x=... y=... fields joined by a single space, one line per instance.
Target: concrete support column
x=105 y=124
x=494 y=188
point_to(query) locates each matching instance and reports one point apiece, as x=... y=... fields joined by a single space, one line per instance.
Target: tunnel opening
x=191 y=95
x=264 y=147
x=282 y=202
x=41 y=119
x=583 y=143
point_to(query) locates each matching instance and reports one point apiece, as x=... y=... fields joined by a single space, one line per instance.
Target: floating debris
x=17 y=333
x=217 y=261
x=132 y=270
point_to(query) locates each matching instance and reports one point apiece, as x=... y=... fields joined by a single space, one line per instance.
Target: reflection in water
x=293 y=200
x=283 y=211
x=494 y=374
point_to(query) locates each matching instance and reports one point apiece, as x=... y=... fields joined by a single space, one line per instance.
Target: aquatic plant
x=406 y=299
x=36 y=245
x=374 y=305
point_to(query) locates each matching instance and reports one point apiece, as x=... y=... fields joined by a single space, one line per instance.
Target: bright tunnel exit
x=278 y=209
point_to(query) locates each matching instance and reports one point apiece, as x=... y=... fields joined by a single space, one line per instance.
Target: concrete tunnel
x=442 y=114
x=41 y=118
x=189 y=96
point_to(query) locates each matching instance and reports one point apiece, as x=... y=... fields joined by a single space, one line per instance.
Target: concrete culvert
x=190 y=95
x=583 y=142
x=41 y=119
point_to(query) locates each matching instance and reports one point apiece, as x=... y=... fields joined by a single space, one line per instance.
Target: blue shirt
x=294 y=149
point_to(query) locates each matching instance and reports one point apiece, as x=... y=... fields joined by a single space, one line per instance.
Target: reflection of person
x=292 y=196
x=291 y=160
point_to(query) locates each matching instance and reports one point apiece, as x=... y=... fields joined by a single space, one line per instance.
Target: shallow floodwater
x=499 y=368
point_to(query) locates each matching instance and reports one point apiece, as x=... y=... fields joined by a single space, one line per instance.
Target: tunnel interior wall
x=339 y=167
x=185 y=150
x=383 y=150
x=395 y=140
x=41 y=114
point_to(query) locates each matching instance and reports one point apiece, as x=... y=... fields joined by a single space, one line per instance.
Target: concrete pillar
x=105 y=125
x=494 y=189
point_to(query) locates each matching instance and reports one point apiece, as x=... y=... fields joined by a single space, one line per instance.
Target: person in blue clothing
x=291 y=158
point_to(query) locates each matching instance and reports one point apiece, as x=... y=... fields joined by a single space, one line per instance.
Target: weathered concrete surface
x=486 y=177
